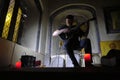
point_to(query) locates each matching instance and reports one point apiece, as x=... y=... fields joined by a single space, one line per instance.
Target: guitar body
x=66 y=36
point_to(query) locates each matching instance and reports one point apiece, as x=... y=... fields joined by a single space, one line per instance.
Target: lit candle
x=18 y=64
x=87 y=57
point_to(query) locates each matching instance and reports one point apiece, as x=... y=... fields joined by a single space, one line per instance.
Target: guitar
x=73 y=30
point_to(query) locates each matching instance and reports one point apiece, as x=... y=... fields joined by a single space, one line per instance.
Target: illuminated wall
x=15 y=35
x=107 y=45
x=8 y=19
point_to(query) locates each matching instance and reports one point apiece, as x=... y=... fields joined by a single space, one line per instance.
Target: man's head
x=69 y=20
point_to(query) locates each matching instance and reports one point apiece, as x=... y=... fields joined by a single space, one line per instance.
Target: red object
x=37 y=63
x=87 y=57
x=18 y=64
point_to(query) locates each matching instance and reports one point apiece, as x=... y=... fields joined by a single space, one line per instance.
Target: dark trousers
x=70 y=46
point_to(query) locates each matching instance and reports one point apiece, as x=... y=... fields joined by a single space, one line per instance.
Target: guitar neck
x=83 y=23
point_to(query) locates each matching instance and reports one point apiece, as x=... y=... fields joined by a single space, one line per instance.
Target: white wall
x=30 y=27
x=6 y=50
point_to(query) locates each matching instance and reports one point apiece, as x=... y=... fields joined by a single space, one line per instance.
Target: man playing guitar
x=70 y=35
